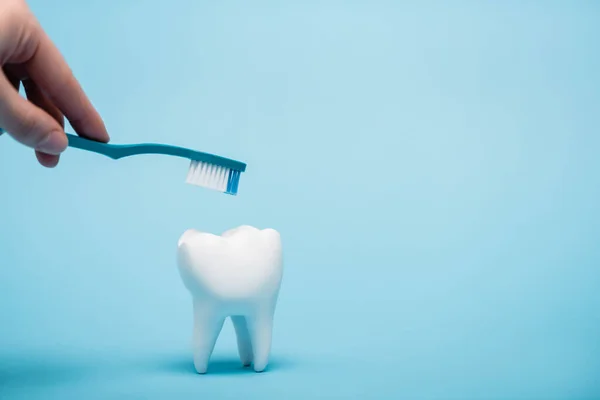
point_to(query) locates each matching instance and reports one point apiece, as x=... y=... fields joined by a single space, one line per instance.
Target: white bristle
x=212 y=177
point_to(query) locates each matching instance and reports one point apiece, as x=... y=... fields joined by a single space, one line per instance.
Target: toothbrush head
x=213 y=176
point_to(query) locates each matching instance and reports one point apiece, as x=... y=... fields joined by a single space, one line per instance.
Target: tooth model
x=237 y=275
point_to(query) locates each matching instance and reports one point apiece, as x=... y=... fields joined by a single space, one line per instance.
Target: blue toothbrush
x=206 y=170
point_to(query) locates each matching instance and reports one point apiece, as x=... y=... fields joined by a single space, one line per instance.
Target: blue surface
x=433 y=170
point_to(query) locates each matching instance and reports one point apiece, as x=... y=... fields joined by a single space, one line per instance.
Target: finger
x=51 y=73
x=47 y=160
x=15 y=82
x=27 y=123
x=37 y=97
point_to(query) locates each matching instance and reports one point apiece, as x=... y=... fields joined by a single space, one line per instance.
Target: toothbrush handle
x=116 y=151
x=105 y=149
x=79 y=142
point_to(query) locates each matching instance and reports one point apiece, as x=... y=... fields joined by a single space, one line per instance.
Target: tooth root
x=243 y=339
x=260 y=328
x=207 y=326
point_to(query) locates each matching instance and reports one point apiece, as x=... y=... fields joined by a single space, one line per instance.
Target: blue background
x=432 y=167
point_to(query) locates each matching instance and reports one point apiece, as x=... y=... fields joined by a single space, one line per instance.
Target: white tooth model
x=235 y=275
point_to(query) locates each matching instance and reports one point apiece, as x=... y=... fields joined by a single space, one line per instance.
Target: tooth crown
x=242 y=263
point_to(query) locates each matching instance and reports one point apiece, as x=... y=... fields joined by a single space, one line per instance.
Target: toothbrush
x=206 y=170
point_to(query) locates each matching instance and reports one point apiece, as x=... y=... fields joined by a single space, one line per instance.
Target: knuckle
x=29 y=127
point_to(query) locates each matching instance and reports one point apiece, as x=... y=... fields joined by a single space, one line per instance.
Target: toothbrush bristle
x=214 y=177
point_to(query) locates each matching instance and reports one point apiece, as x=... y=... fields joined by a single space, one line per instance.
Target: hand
x=28 y=56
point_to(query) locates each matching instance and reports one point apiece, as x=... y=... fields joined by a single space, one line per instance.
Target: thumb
x=27 y=123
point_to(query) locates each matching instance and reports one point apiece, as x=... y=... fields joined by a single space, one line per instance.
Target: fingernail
x=54 y=143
